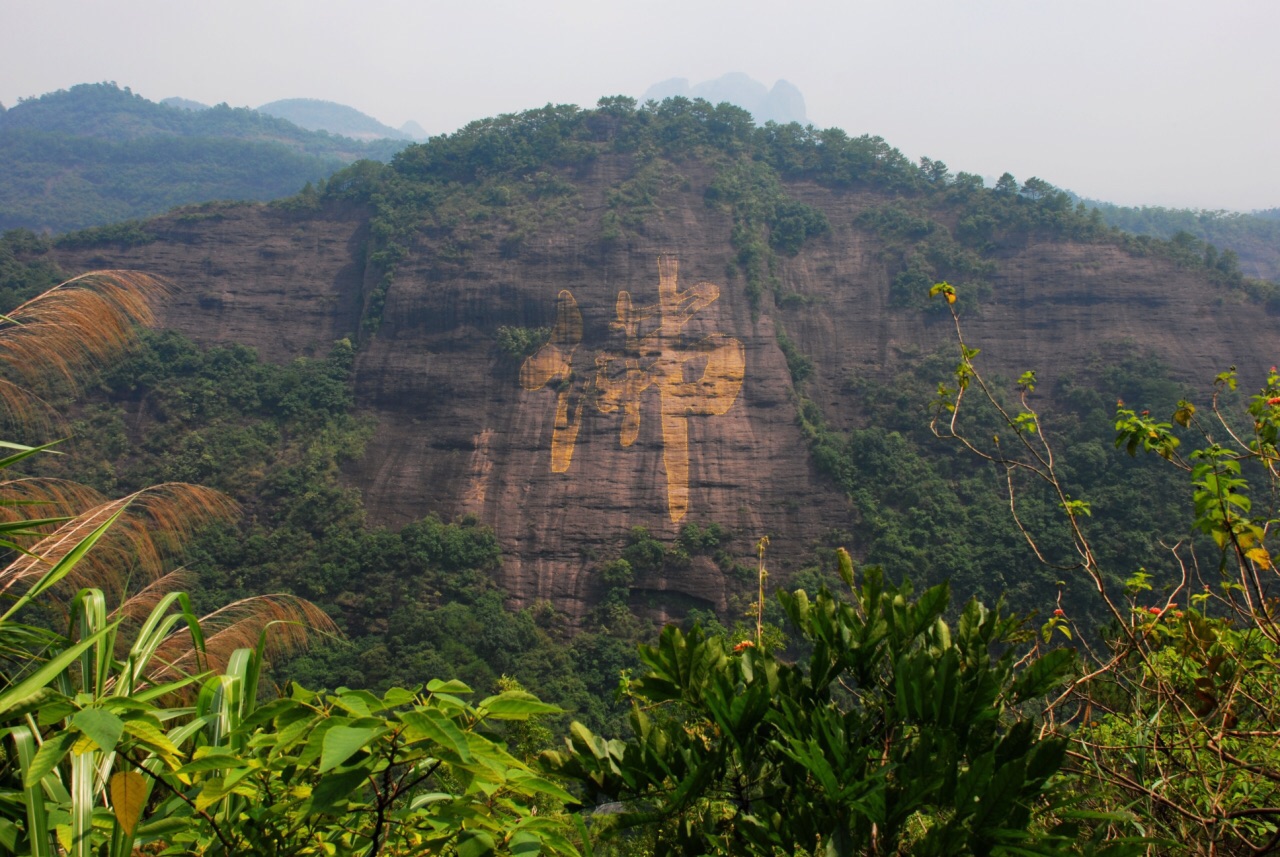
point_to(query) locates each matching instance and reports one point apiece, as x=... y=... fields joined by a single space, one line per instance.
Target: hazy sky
x=1163 y=103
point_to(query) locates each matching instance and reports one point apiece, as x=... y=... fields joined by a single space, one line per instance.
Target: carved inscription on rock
x=692 y=378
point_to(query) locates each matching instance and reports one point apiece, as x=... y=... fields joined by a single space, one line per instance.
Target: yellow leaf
x=1260 y=556
x=128 y=796
x=951 y=297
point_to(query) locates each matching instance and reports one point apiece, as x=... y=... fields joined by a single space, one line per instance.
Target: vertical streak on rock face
x=656 y=359
x=481 y=468
x=555 y=360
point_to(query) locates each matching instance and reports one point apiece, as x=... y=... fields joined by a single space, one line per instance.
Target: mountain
x=414 y=131
x=97 y=154
x=782 y=104
x=1254 y=239
x=574 y=323
x=316 y=115
x=183 y=103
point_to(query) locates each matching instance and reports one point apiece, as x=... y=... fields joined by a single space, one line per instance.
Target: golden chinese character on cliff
x=653 y=354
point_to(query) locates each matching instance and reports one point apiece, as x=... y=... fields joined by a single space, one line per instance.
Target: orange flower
x=744 y=645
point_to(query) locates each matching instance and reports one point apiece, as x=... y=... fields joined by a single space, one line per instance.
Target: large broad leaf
x=517 y=705
x=38 y=701
x=530 y=783
x=398 y=696
x=149 y=733
x=332 y=792
x=475 y=844
x=343 y=742
x=358 y=703
x=525 y=844
x=431 y=724
x=102 y=727
x=47 y=757
x=451 y=686
x=128 y=797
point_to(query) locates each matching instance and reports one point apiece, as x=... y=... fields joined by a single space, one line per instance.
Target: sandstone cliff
x=663 y=396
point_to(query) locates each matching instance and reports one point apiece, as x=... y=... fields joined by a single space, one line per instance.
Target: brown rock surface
x=459 y=434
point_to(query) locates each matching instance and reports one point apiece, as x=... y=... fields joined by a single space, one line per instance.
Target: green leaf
x=63 y=566
x=211 y=763
x=525 y=844
x=102 y=727
x=475 y=843
x=38 y=701
x=23 y=452
x=360 y=703
x=163 y=828
x=332 y=792
x=517 y=705
x=433 y=725
x=148 y=733
x=453 y=686
x=529 y=783
x=1042 y=674
x=51 y=752
x=844 y=565
x=343 y=742
x=46 y=673
x=398 y=696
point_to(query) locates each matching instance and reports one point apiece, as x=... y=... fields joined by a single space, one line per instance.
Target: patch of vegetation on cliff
x=929 y=507
x=766 y=221
x=516 y=343
x=25 y=271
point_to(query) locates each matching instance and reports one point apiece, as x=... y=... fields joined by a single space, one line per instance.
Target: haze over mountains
x=315 y=114
x=783 y=103
x=98 y=154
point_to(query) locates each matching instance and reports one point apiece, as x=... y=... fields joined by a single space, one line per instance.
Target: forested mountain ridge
x=1254 y=239
x=96 y=154
x=510 y=289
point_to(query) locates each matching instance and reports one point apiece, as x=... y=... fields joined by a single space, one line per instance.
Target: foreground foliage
x=1175 y=717
x=900 y=734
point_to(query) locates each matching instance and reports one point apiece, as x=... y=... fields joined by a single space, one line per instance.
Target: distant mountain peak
x=782 y=104
x=315 y=114
x=414 y=130
x=184 y=103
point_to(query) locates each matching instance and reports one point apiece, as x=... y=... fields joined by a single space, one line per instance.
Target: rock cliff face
x=661 y=397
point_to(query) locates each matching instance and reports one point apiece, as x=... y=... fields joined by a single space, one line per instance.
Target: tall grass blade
x=39 y=839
